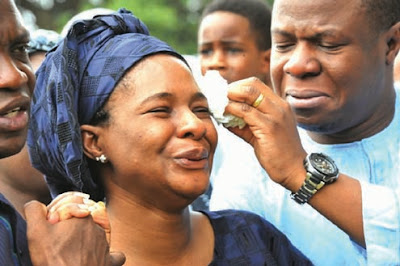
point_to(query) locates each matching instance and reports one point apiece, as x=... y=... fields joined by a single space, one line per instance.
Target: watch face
x=323 y=164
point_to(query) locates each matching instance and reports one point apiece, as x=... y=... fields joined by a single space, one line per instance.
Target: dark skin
x=152 y=186
x=16 y=85
x=227 y=43
x=57 y=247
x=311 y=88
x=19 y=181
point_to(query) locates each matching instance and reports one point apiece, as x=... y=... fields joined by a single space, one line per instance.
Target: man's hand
x=76 y=241
x=271 y=130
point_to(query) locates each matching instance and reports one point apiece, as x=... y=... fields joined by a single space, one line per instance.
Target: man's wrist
x=321 y=170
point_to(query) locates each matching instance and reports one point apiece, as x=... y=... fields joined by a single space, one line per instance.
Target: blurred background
x=173 y=21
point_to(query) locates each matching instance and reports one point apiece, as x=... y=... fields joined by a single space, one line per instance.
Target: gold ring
x=258 y=101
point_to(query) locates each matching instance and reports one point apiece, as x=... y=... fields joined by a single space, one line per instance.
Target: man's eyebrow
x=313 y=37
x=7 y=38
x=281 y=32
x=23 y=37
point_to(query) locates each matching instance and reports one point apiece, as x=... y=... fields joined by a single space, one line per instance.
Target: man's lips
x=306 y=99
x=192 y=159
x=14 y=114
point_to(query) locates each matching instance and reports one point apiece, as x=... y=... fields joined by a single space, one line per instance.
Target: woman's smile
x=195 y=158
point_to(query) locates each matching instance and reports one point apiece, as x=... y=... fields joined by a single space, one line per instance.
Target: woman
x=117 y=114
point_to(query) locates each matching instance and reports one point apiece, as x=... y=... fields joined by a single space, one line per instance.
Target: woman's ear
x=90 y=141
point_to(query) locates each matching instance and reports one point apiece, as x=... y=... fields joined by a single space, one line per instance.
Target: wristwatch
x=321 y=170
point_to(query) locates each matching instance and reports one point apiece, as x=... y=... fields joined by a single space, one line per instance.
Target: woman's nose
x=190 y=126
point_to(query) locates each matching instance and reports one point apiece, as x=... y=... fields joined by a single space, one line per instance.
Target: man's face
x=16 y=80
x=328 y=63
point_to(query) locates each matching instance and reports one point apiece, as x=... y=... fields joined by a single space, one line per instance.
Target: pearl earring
x=102 y=158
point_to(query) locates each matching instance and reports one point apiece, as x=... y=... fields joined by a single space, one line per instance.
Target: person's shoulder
x=235 y=219
x=232 y=214
x=7 y=257
x=13 y=243
x=5 y=205
x=249 y=237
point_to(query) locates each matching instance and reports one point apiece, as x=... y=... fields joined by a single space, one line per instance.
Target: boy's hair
x=256 y=11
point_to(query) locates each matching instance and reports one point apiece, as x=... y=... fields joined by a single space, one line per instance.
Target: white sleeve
x=381 y=218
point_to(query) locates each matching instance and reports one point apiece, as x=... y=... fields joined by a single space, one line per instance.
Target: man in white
x=332 y=67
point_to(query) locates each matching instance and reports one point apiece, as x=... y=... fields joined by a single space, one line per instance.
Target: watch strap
x=310 y=186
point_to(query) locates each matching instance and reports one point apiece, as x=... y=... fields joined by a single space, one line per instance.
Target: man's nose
x=302 y=62
x=11 y=76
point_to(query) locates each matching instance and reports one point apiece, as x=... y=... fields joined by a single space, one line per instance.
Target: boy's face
x=227 y=43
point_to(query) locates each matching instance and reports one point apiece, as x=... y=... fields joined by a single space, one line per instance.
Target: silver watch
x=321 y=170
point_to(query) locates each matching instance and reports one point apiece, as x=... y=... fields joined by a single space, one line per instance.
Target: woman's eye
x=204 y=111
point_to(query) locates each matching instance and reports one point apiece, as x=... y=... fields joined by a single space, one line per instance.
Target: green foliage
x=173 y=21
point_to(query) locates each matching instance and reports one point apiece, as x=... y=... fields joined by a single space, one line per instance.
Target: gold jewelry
x=258 y=101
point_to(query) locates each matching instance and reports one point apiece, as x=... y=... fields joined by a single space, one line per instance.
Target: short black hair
x=382 y=14
x=256 y=11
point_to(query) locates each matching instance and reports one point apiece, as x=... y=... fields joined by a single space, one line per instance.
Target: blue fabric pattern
x=77 y=77
x=13 y=243
x=244 y=238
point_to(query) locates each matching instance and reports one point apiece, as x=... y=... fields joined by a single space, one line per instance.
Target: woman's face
x=160 y=139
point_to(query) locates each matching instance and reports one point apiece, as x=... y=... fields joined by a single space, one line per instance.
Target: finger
x=67 y=197
x=248 y=90
x=68 y=211
x=100 y=216
x=117 y=258
x=64 y=195
x=35 y=211
x=244 y=111
x=258 y=101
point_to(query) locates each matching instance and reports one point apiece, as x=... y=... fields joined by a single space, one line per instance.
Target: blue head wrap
x=73 y=83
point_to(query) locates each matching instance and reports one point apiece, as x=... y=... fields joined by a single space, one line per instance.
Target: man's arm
x=272 y=131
